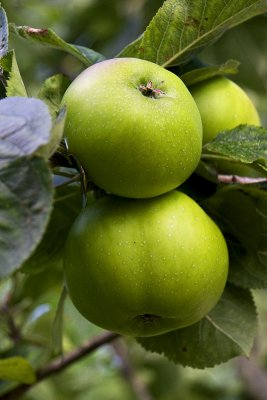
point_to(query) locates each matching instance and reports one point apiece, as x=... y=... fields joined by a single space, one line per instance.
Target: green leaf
x=14 y=82
x=182 y=28
x=25 y=126
x=56 y=135
x=49 y=38
x=230 y=67
x=26 y=197
x=245 y=143
x=52 y=91
x=207 y=171
x=3 y=32
x=57 y=328
x=226 y=332
x=67 y=206
x=241 y=213
x=17 y=369
x=26 y=191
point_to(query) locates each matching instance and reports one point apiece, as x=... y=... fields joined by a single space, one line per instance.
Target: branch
x=60 y=363
x=6 y=309
x=254 y=378
x=243 y=180
x=136 y=384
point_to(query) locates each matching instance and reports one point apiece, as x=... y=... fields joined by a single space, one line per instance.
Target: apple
x=133 y=126
x=223 y=105
x=145 y=267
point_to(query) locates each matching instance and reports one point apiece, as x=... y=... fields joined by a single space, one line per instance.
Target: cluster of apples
x=145 y=259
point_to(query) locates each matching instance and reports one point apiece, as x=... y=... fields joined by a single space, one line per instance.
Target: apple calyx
x=148 y=318
x=149 y=91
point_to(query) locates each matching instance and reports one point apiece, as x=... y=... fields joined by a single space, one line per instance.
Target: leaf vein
x=228 y=336
x=194 y=43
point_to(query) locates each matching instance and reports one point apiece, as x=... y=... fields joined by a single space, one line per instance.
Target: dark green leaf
x=207 y=171
x=49 y=38
x=25 y=205
x=67 y=206
x=182 y=28
x=14 y=82
x=241 y=212
x=226 y=332
x=3 y=32
x=89 y=54
x=201 y=74
x=25 y=126
x=244 y=143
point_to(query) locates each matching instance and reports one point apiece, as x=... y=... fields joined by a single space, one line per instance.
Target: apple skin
x=222 y=105
x=145 y=267
x=130 y=144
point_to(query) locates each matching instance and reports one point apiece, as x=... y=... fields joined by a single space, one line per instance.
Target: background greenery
x=123 y=371
x=108 y=25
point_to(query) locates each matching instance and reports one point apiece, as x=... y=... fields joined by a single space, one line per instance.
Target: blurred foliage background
x=108 y=25
x=123 y=371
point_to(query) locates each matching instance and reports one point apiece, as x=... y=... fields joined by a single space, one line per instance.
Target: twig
x=243 y=180
x=13 y=331
x=2 y=78
x=60 y=363
x=137 y=386
x=254 y=378
x=6 y=309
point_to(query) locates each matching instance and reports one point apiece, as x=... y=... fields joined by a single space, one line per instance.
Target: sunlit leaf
x=17 y=369
x=14 y=82
x=182 y=28
x=245 y=143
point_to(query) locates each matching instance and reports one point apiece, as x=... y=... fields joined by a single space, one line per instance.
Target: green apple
x=223 y=105
x=145 y=267
x=133 y=126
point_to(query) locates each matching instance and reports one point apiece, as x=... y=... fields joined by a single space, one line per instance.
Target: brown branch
x=243 y=180
x=254 y=378
x=136 y=384
x=62 y=362
x=7 y=311
x=13 y=331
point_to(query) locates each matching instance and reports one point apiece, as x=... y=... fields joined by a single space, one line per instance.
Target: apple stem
x=149 y=91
